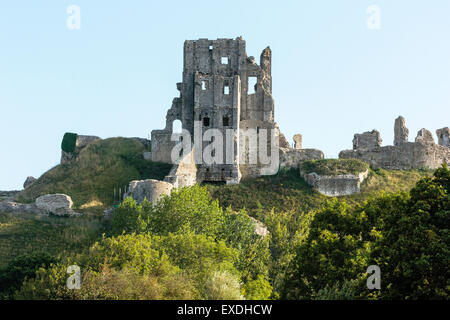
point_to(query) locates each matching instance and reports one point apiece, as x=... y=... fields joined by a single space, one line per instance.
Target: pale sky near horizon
x=117 y=74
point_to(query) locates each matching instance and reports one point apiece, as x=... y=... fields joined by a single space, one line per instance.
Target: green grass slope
x=110 y=164
x=334 y=167
x=100 y=170
x=28 y=233
x=288 y=191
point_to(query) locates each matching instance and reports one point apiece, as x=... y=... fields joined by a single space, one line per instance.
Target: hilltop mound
x=100 y=170
x=334 y=167
x=288 y=191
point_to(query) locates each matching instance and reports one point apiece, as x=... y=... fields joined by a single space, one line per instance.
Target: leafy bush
x=405 y=234
x=111 y=284
x=339 y=291
x=188 y=208
x=258 y=289
x=333 y=250
x=238 y=230
x=20 y=268
x=69 y=142
x=130 y=217
x=191 y=210
x=175 y=266
x=223 y=286
x=414 y=249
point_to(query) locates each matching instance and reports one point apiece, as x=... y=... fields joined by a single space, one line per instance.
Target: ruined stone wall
x=367 y=140
x=292 y=158
x=404 y=155
x=401 y=132
x=149 y=189
x=250 y=163
x=336 y=186
x=443 y=137
x=162 y=146
x=215 y=92
x=184 y=173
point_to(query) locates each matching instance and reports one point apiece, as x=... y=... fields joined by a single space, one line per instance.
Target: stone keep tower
x=215 y=91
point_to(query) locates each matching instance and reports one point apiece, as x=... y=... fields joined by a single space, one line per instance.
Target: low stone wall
x=335 y=186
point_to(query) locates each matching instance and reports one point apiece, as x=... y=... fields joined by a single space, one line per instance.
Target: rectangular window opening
x=251 y=85
x=204 y=85
x=224 y=60
x=226 y=89
x=226 y=121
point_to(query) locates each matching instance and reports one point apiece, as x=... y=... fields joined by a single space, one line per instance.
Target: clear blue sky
x=116 y=76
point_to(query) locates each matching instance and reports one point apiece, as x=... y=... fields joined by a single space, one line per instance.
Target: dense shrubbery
x=413 y=250
x=69 y=142
x=188 y=247
x=20 y=268
x=185 y=236
x=406 y=235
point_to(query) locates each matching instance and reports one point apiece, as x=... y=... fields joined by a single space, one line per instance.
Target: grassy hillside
x=334 y=167
x=288 y=191
x=29 y=233
x=100 y=170
x=110 y=164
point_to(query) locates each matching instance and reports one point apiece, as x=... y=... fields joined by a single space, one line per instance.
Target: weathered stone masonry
x=215 y=91
x=403 y=155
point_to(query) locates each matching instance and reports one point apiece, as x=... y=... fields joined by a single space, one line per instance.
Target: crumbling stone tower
x=215 y=91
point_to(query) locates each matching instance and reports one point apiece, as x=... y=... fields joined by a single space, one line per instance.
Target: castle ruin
x=403 y=155
x=216 y=93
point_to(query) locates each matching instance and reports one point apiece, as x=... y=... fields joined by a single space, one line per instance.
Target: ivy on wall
x=69 y=142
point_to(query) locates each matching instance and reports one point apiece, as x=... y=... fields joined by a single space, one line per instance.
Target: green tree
x=333 y=251
x=21 y=268
x=238 y=230
x=130 y=217
x=413 y=252
x=258 y=289
x=190 y=208
x=223 y=286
